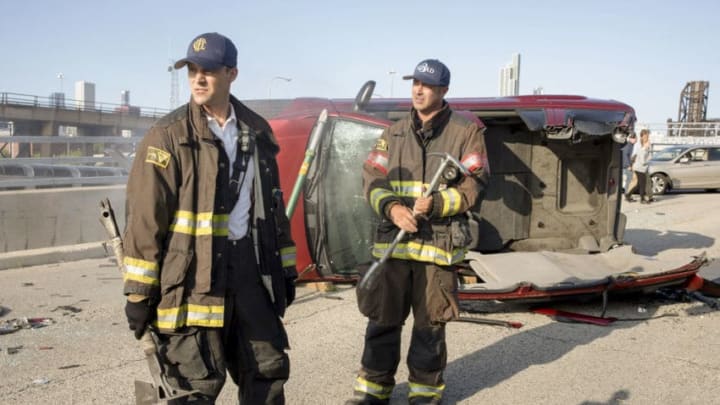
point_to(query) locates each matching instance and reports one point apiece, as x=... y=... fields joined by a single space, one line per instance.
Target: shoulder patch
x=158 y=157
x=381 y=144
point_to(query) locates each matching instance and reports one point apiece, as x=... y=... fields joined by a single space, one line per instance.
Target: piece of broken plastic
x=13 y=325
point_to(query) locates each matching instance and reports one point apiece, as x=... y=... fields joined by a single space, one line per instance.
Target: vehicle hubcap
x=658 y=185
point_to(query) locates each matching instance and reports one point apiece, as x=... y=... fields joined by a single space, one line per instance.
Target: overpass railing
x=682 y=133
x=79 y=105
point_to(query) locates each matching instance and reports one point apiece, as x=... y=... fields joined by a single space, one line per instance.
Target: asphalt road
x=87 y=356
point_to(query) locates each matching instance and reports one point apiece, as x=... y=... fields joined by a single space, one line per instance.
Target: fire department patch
x=158 y=157
x=381 y=144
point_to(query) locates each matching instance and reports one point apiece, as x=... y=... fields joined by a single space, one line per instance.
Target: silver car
x=685 y=167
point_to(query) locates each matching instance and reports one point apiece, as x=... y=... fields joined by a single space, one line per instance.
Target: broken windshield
x=348 y=220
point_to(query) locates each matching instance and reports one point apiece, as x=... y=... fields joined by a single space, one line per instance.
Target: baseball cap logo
x=199 y=44
x=424 y=68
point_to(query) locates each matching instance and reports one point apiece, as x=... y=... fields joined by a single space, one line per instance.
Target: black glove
x=289 y=290
x=139 y=316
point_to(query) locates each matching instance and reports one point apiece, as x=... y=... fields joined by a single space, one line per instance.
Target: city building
x=510 y=77
x=85 y=95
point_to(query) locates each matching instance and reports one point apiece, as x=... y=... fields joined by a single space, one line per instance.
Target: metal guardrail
x=70 y=139
x=79 y=105
x=682 y=129
x=67 y=170
x=63 y=160
x=40 y=182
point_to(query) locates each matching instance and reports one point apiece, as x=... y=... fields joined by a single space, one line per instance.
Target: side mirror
x=364 y=95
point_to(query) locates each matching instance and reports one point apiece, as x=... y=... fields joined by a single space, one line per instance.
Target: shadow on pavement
x=650 y=242
x=500 y=361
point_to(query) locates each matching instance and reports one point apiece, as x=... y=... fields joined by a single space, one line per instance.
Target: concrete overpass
x=42 y=116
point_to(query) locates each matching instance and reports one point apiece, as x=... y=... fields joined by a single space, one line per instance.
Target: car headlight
x=619 y=136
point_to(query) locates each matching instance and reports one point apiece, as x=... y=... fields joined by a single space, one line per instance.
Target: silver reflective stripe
x=421 y=390
x=190 y=315
x=371 y=388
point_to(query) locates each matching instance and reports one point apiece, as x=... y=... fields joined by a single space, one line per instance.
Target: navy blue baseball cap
x=210 y=51
x=432 y=72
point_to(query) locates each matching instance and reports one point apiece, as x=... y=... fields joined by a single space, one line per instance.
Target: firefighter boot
x=370 y=393
x=424 y=401
x=359 y=399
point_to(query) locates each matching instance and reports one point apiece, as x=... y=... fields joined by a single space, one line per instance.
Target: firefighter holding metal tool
x=419 y=272
x=209 y=260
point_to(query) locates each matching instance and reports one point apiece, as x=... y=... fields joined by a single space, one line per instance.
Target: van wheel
x=659 y=183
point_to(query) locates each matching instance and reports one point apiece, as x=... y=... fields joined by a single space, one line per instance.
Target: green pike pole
x=309 y=157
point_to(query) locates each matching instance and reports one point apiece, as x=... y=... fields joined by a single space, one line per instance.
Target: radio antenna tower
x=174 y=85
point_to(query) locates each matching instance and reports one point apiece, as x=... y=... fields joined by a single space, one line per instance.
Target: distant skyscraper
x=510 y=77
x=85 y=95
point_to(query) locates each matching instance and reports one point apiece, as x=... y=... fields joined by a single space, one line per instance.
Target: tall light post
x=392 y=79
x=61 y=76
x=286 y=79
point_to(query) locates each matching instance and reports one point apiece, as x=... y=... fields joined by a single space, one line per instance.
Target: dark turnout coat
x=402 y=164
x=178 y=211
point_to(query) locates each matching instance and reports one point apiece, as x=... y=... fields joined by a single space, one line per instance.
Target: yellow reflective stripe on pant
x=288 y=256
x=421 y=390
x=203 y=223
x=190 y=315
x=367 y=387
x=420 y=252
x=141 y=271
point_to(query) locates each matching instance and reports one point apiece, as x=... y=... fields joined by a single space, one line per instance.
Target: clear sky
x=638 y=52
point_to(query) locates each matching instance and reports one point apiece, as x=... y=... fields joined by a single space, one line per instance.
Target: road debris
x=14 y=349
x=14 y=325
x=69 y=366
x=68 y=308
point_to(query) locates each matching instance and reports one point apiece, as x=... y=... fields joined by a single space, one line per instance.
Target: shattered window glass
x=349 y=221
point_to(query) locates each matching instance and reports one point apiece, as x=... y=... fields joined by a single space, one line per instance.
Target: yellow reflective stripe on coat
x=371 y=388
x=210 y=316
x=287 y=255
x=203 y=223
x=377 y=196
x=451 y=200
x=421 y=390
x=407 y=188
x=421 y=253
x=141 y=271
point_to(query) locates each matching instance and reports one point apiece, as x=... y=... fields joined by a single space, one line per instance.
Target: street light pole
x=392 y=79
x=286 y=79
x=60 y=76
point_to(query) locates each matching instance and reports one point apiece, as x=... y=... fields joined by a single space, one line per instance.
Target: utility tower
x=693 y=102
x=174 y=86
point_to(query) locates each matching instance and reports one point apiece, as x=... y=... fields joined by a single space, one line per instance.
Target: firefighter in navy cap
x=420 y=274
x=209 y=261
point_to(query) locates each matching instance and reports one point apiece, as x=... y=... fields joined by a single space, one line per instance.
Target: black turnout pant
x=250 y=346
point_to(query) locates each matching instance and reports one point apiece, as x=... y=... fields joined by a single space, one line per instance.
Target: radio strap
x=246 y=148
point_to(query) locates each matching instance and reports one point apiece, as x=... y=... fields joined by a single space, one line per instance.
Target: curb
x=55 y=254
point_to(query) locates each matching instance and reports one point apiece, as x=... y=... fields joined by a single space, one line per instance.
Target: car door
x=688 y=170
x=711 y=169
